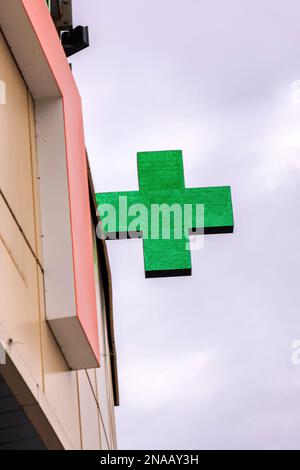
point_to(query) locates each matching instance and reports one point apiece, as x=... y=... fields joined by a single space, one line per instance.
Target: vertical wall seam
x=30 y=112
x=79 y=411
x=98 y=418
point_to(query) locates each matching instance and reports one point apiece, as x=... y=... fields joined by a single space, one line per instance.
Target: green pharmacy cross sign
x=175 y=212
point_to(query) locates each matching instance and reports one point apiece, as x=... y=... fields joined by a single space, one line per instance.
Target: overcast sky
x=204 y=361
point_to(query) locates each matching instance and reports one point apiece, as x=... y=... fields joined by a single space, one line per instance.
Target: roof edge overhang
x=33 y=409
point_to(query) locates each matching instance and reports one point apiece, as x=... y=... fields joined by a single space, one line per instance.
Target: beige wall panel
x=88 y=411
x=19 y=306
x=107 y=442
x=103 y=398
x=104 y=442
x=110 y=403
x=55 y=210
x=15 y=153
x=60 y=384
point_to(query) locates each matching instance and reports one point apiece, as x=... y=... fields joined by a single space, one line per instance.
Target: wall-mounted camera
x=73 y=39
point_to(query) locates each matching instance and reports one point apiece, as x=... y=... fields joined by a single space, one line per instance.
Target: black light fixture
x=73 y=39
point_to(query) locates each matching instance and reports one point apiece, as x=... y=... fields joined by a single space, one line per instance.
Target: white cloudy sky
x=204 y=362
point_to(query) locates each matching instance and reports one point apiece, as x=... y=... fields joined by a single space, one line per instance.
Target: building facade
x=58 y=372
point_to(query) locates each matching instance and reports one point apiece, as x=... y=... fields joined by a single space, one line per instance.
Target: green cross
x=161 y=183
